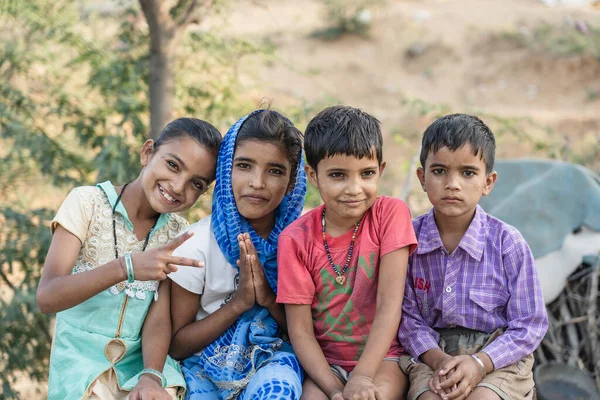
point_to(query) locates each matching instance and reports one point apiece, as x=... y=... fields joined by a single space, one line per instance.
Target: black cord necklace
x=115 y=224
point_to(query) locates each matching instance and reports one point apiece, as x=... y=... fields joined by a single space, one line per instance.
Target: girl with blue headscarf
x=227 y=325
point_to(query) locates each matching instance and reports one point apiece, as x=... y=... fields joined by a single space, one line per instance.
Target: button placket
x=449 y=294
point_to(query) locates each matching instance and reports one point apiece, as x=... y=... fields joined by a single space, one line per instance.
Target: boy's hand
x=244 y=295
x=262 y=290
x=436 y=380
x=467 y=374
x=360 y=387
x=336 y=396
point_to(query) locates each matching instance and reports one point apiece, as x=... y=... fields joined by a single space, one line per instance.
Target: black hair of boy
x=454 y=131
x=342 y=130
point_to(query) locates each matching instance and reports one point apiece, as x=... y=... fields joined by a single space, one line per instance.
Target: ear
x=421 y=176
x=147 y=151
x=490 y=180
x=381 y=168
x=311 y=174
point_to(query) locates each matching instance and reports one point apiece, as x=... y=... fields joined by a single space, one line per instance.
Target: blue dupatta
x=231 y=360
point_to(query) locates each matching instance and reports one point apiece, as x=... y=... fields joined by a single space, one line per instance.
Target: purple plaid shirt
x=488 y=282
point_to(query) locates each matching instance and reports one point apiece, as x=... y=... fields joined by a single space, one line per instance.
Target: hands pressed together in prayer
x=253 y=287
x=456 y=377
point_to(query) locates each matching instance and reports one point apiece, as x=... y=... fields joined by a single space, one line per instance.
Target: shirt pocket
x=488 y=297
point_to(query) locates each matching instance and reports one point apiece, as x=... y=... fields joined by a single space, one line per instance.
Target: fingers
x=175 y=243
x=462 y=391
x=189 y=262
x=448 y=365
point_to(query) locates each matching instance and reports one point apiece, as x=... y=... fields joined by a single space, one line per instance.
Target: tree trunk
x=164 y=31
x=161 y=84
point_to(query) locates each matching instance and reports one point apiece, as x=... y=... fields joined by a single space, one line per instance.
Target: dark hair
x=456 y=130
x=270 y=126
x=342 y=130
x=201 y=131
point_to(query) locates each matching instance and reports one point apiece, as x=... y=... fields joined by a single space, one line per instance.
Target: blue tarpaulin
x=545 y=200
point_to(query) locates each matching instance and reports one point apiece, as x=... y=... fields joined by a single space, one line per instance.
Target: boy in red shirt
x=343 y=265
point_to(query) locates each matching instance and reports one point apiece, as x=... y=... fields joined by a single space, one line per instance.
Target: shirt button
x=448 y=289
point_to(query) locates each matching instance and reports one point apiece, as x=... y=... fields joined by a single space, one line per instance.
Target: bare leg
x=310 y=390
x=391 y=381
x=483 y=393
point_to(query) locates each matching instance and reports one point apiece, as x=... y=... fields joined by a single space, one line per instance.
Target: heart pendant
x=340 y=279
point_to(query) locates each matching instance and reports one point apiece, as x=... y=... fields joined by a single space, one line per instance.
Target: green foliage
x=74 y=110
x=347 y=16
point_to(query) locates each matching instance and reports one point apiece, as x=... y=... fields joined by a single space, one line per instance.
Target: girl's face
x=176 y=174
x=260 y=178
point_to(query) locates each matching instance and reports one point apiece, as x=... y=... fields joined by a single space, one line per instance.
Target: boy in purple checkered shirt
x=473 y=310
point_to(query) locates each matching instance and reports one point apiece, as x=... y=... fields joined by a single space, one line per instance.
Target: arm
x=191 y=336
x=525 y=311
x=58 y=289
x=156 y=335
x=415 y=334
x=390 y=290
x=306 y=347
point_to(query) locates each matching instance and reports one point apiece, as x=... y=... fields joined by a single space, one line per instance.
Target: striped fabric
x=488 y=282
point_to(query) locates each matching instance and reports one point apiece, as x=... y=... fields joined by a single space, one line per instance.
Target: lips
x=254 y=199
x=352 y=203
x=451 y=199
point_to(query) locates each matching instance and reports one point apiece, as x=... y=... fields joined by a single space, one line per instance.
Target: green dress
x=81 y=351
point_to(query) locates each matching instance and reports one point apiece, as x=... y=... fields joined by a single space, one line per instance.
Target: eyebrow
x=253 y=161
x=179 y=160
x=439 y=165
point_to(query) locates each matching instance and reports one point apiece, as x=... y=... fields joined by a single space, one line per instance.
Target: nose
x=257 y=180
x=353 y=188
x=178 y=186
x=453 y=182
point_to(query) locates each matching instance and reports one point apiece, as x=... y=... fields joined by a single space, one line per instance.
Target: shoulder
x=86 y=198
x=386 y=210
x=387 y=204
x=202 y=229
x=88 y=193
x=303 y=225
x=500 y=232
x=177 y=222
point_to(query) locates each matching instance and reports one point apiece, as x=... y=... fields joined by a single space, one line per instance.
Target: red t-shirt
x=342 y=315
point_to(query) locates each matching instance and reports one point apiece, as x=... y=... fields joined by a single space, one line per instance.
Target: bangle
x=163 y=380
x=123 y=268
x=476 y=357
x=129 y=264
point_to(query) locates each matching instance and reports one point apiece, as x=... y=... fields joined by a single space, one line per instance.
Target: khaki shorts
x=514 y=382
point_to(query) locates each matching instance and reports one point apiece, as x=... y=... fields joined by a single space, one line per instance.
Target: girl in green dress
x=105 y=272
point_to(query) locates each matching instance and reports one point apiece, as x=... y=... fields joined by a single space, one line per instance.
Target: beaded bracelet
x=476 y=357
x=163 y=380
x=129 y=264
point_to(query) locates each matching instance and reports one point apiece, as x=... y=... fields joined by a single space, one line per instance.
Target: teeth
x=166 y=195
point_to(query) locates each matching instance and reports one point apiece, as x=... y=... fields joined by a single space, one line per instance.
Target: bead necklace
x=340 y=278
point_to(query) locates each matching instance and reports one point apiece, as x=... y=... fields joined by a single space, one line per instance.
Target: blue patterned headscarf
x=232 y=360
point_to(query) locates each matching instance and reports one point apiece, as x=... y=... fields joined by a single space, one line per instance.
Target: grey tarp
x=545 y=200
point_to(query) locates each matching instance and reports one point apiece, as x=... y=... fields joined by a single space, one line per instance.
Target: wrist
x=155 y=375
x=123 y=268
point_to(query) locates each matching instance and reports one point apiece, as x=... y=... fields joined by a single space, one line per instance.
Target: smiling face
x=260 y=178
x=348 y=186
x=454 y=182
x=176 y=174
